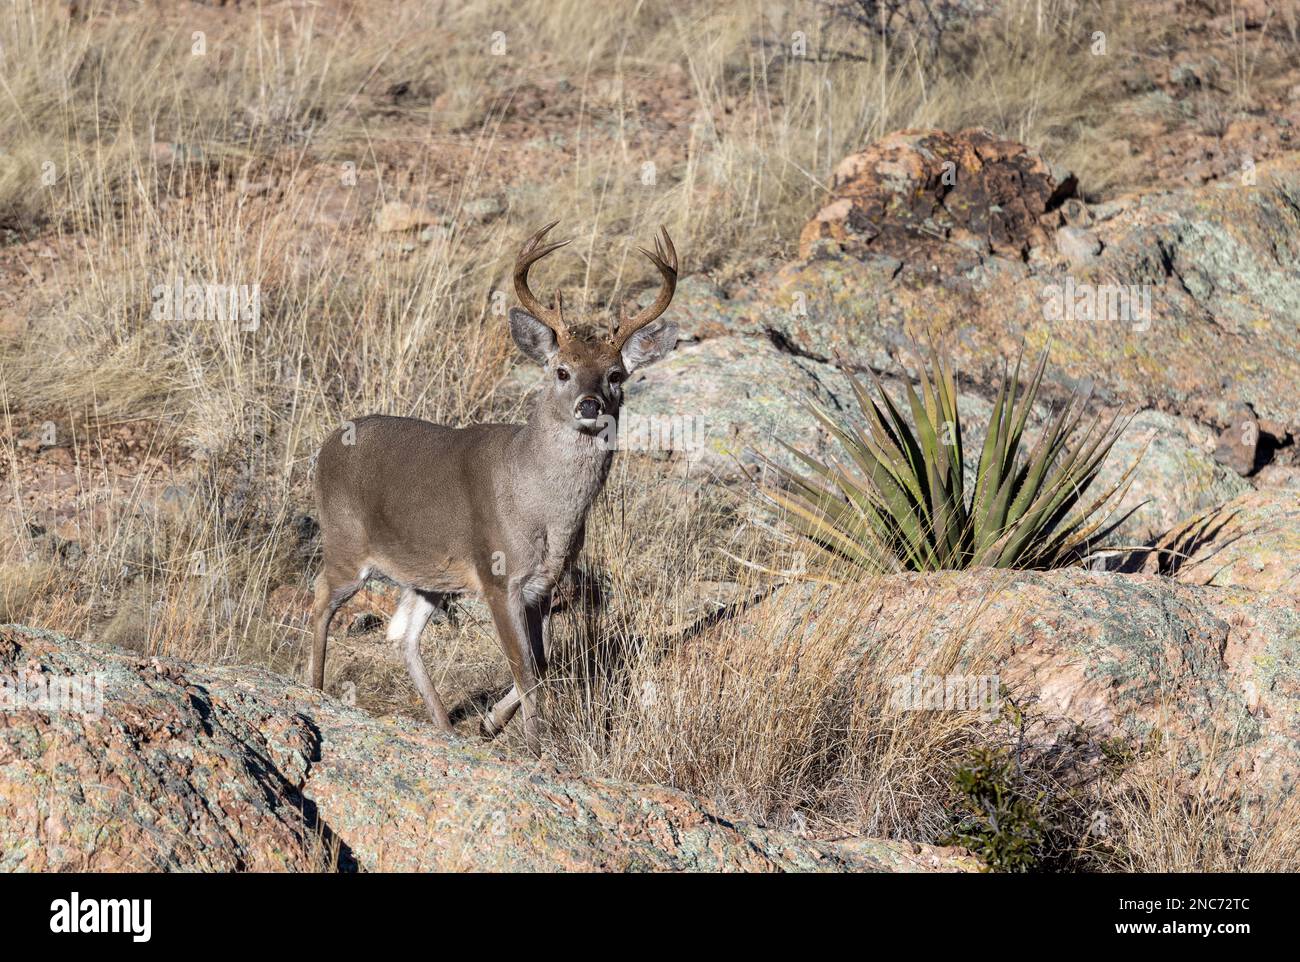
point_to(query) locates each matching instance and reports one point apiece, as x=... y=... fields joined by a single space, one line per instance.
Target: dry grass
x=176 y=507
x=358 y=323
x=1163 y=824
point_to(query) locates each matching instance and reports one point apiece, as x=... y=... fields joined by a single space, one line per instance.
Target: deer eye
x=616 y=377
x=562 y=374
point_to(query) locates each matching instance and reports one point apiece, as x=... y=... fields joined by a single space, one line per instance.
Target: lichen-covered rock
x=165 y=774
x=726 y=399
x=1176 y=477
x=1211 y=672
x=1190 y=307
x=732 y=397
x=218 y=769
x=1251 y=542
x=919 y=195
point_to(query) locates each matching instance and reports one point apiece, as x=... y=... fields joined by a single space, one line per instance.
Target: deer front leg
x=539 y=637
x=511 y=617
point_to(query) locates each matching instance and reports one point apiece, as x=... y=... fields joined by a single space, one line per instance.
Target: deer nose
x=589 y=408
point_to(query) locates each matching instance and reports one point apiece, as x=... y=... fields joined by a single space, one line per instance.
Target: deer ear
x=649 y=344
x=533 y=337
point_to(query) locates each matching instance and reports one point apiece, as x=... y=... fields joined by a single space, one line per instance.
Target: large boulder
x=1213 y=674
x=179 y=767
x=1252 y=542
x=719 y=403
x=924 y=197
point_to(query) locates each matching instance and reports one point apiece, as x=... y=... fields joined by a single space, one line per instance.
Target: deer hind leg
x=405 y=627
x=334 y=586
x=538 y=618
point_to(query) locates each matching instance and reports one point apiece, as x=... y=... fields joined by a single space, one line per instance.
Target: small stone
x=1078 y=246
x=483 y=209
x=1238 y=444
x=364 y=621
x=255 y=188
x=1185 y=75
x=397 y=216
x=1076 y=213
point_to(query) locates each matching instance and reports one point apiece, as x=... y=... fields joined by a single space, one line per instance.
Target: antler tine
x=664 y=257
x=529 y=254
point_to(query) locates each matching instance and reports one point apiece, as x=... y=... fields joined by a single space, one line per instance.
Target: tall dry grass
x=350 y=324
x=1161 y=822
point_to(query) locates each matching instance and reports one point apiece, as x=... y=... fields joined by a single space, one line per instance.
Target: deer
x=498 y=510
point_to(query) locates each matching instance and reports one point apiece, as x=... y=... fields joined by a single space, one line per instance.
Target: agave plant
x=900 y=501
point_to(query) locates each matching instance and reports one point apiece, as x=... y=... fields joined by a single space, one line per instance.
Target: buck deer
x=498 y=509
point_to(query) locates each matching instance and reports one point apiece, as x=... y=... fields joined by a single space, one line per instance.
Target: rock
x=1078 y=214
x=1136 y=657
x=256 y=188
x=700 y=309
x=718 y=403
x=397 y=217
x=1277 y=476
x=364 y=621
x=13 y=324
x=911 y=193
x=1176 y=477
x=1184 y=75
x=721 y=402
x=230 y=769
x=1238 y=443
x=483 y=209
x=1251 y=542
x=1078 y=246
x=1191 y=303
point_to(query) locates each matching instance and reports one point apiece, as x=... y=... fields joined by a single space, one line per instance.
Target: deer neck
x=564 y=469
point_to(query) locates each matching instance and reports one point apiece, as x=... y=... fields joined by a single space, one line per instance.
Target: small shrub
x=923 y=22
x=1004 y=827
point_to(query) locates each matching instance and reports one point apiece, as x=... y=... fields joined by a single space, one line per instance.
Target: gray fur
x=496 y=509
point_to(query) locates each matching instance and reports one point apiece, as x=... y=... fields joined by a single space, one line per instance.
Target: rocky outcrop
x=1186 y=302
x=1179 y=307
x=1189 y=307
x=177 y=767
x=1177 y=476
x=1213 y=673
x=1252 y=542
x=720 y=403
x=925 y=197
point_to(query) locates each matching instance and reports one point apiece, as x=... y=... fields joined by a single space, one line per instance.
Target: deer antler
x=529 y=254
x=663 y=257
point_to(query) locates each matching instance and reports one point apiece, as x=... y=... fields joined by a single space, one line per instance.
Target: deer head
x=586 y=373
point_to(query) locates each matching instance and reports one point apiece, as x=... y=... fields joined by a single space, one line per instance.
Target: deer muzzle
x=589 y=408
